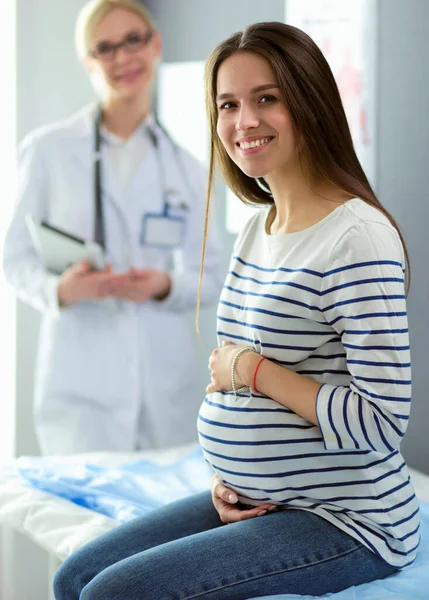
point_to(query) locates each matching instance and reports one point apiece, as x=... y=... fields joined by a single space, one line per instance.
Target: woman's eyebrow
x=259 y=88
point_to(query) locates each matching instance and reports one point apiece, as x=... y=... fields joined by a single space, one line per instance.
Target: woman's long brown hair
x=311 y=94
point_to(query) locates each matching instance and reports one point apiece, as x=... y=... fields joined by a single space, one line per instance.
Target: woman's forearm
x=294 y=391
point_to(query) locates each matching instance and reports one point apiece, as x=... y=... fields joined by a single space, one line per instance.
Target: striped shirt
x=327 y=302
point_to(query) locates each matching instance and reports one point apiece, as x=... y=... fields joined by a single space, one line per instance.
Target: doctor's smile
x=129 y=76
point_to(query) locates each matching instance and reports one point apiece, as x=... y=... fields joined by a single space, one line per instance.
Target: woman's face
x=130 y=69
x=254 y=124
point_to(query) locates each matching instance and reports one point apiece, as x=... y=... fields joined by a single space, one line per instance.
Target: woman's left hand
x=220 y=363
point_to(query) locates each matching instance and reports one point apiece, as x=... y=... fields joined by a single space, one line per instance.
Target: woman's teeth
x=254 y=143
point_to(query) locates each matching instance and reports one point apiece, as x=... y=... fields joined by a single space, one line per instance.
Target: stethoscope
x=99 y=227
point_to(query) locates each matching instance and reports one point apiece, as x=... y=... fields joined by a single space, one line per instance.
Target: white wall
x=7 y=302
x=8 y=177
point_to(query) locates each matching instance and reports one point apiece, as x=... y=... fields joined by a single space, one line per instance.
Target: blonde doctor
x=118 y=378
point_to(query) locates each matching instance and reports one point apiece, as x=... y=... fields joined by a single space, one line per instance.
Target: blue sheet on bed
x=122 y=493
x=136 y=488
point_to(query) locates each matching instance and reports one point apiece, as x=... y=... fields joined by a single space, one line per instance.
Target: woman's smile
x=249 y=146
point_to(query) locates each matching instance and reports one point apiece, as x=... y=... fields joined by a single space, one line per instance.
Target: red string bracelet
x=255 y=372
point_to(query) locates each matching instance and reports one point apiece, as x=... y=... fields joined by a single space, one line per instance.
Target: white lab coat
x=111 y=379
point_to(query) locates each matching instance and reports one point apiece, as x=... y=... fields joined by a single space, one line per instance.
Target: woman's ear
x=157 y=46
x=88 y=63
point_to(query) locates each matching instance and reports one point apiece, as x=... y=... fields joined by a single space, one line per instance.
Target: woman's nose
x=246 y=119
x=121 y=54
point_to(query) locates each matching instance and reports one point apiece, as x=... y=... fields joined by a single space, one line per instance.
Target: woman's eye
x=267 y=98
x=226 y=105
x=104 y=48
x=134 y=38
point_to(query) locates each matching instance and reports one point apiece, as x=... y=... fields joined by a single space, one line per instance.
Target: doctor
x=120 y=378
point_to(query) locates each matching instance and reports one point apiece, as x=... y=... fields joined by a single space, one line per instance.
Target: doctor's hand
x=220 y=363
x=139 y=285
x=230 y=510
x=81 y=282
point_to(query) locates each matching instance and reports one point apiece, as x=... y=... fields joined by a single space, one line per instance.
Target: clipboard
x=59 y=249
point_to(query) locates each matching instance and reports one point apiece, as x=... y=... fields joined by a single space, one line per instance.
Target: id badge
x=162 y=231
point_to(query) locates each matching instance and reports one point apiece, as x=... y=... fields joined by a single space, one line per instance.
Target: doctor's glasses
x=133 y=42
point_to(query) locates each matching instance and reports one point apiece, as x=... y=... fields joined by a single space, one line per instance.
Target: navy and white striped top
x=329 y=303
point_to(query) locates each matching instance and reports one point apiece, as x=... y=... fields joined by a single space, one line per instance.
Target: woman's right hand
x=224 y=501
x=81 y=282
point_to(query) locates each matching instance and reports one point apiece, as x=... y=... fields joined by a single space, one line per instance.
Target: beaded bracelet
x=244 y=389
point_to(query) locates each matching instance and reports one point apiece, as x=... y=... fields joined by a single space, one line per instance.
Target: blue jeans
x=182 y=552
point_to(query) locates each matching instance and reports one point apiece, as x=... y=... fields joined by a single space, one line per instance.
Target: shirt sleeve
x=363 y=299
x=22 y=266
x=185 y=276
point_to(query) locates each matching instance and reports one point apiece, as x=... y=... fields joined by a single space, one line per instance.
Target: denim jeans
x=182 y=552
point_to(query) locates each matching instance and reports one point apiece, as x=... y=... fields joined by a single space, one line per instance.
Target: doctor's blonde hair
x=95 y=10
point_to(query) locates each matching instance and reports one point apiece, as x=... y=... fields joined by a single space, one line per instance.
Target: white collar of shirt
x=124 y=156
x=141 y=130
